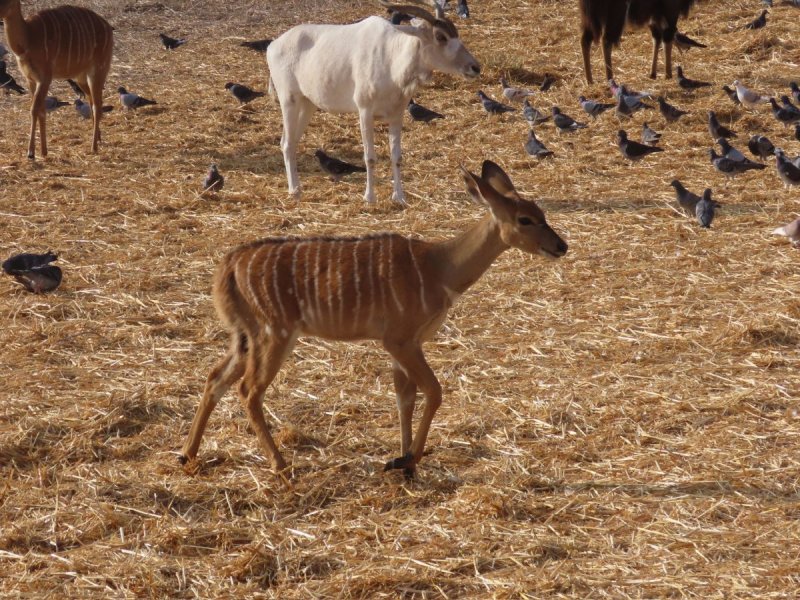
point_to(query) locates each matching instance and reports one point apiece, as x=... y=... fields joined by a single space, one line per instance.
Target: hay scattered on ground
x=621 y=423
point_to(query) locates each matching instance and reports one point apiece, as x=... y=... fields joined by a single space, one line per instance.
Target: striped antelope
x=385 y=287
x=63 y=42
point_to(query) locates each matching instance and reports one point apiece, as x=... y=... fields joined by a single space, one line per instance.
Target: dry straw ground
x=618 y=424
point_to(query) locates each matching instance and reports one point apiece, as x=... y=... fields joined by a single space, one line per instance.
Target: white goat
x=371 y=68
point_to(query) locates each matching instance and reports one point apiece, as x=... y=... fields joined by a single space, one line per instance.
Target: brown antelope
x=63 y=42
x=385 y=287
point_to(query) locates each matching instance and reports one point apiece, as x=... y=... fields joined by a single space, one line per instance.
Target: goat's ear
x=440 y=35
x=497 y=178
x=484 y=193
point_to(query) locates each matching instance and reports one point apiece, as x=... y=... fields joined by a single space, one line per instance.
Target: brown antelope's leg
x=264 y=360
x=654 y=66
x=95 y=97
x=586 y=49
x=37 y=108
x=406 y=392
x=411 y=358
x=668 y=59
x=607 y=59
x=222 y=376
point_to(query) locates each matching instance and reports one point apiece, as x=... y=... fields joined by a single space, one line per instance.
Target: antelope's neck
x=465 y=258
x=16 y=29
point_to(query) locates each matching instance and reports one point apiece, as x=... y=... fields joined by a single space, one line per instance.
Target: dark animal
x=687 y=200
x=34 y=271
x=420 y=113
x=214 y=180
x=171 y=43
x=336 y=168
x=257 y=45
x=242 y=93
x=603 y=21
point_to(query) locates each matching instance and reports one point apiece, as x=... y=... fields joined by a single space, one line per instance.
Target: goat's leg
x=406 y=392
x=586 y=49
x=410 y=357
x=367 y=123
x=222 y=376
x=395 y=131
x=290 y=111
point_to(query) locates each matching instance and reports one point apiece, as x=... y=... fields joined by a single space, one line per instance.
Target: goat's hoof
x=405 y=462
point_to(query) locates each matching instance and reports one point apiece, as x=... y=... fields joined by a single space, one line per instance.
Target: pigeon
x=627 y=105
x=533 y=116
x=791 y=231
x=748 y=97
x=788 y=104
x=761 y=147
x=52 y=103
x=170 y=43
x=670 y=113
x=729 y=151
x=683 y=42
x=131 y=101
x=621 y=90
x=261 y=45
x=634 y=150
x=716 y=129
x=729 y=167
x=797 y=132
x=85 y=110
x=795 y=3
x=649 y=136
x=34 y=271
x=76 y=88
x=787 y=116
x=336 y=168
x=795 y=91
x=462 y=10
x=242 y=93
x=758 y=23
x=787 y=171
x=565 y=122
x=731 y=94
x=420 y=113
x=704 y=209
x=536 y=148
x=690 y=84
x=493 y=107
x=687 y=200
x=547 y=82
x=7 y=81
x=214 y=181
x=514 y=94
x=594 y=108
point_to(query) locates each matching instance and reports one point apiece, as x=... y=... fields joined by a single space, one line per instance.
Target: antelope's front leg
x=38 y=116
x=668 y=59
x=367 y=124
x=406 y=393
x=395 y=131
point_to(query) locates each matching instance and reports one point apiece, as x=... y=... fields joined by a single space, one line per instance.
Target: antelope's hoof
x=405 y=462
x=31 y=156
x=183 y=459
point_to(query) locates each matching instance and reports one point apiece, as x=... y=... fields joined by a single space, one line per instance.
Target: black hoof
x=404 y=462
x=182 y=459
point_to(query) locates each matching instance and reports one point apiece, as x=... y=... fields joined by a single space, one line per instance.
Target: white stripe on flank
x=371 y=272
x=275 y=276
x=329 y=271
x=340 y=244
x=307 y=309
x=357 y=282
x=297 y=247
x=68 y=24
x=263 y=302
x=317 y=277
x=381 y=276
x=391 y=277
x=419 y=274
x=248 y=275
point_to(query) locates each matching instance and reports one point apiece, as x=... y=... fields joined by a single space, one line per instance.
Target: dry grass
x=618 y=424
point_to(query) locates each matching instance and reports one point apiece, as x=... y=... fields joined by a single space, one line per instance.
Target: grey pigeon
x=758 y=23
x=621 y=90
x=242 y=93
x=7 y=82
x=593 y=107
x=3 y=51
x=716 y=129
x=748 y=97
x=729 y=151
x=683 y=42
x=795 y=91
x=634 y=150
x=493 y=107
x=760 y=146
x=787 y=104
x=171 y=43
x=533 y=116
x=791 y=231
x=132 y=101
x=34 y=271
x=462 y=10
x=704 y=210
x=536 y=148
x=52 y=103
x=731 y=94
x=785 y=115
x=514 y=94
x=787 y=171
x=76 y=88
x=336 y=168
x=687 y=200
x=627 y=105
x=85 y=110
x=690 y=84
x=565 y=122
x=262 y=45
x=649 y=136
x=214 y=180
x=669 y=112
x=420 y=113
x=729 y=167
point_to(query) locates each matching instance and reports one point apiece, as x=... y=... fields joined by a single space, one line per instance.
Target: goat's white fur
x=371 y=68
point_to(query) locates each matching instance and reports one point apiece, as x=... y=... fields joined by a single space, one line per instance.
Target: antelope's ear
x=497 y=178
x=471 y=181
x=485 y=194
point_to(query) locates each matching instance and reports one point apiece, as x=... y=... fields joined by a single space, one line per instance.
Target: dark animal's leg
x=669 y=36
x=586 y=49
x=607 y=45
x=657 y=36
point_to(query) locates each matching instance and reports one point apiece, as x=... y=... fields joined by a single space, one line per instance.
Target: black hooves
x=183 y=459
x=405 y=462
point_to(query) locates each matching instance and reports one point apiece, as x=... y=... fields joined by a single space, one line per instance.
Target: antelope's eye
x=524 y=221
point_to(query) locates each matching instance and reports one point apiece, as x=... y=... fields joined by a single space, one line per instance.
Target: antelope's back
x=74 y=38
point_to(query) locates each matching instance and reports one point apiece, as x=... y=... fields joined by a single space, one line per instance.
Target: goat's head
x=445 y=51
